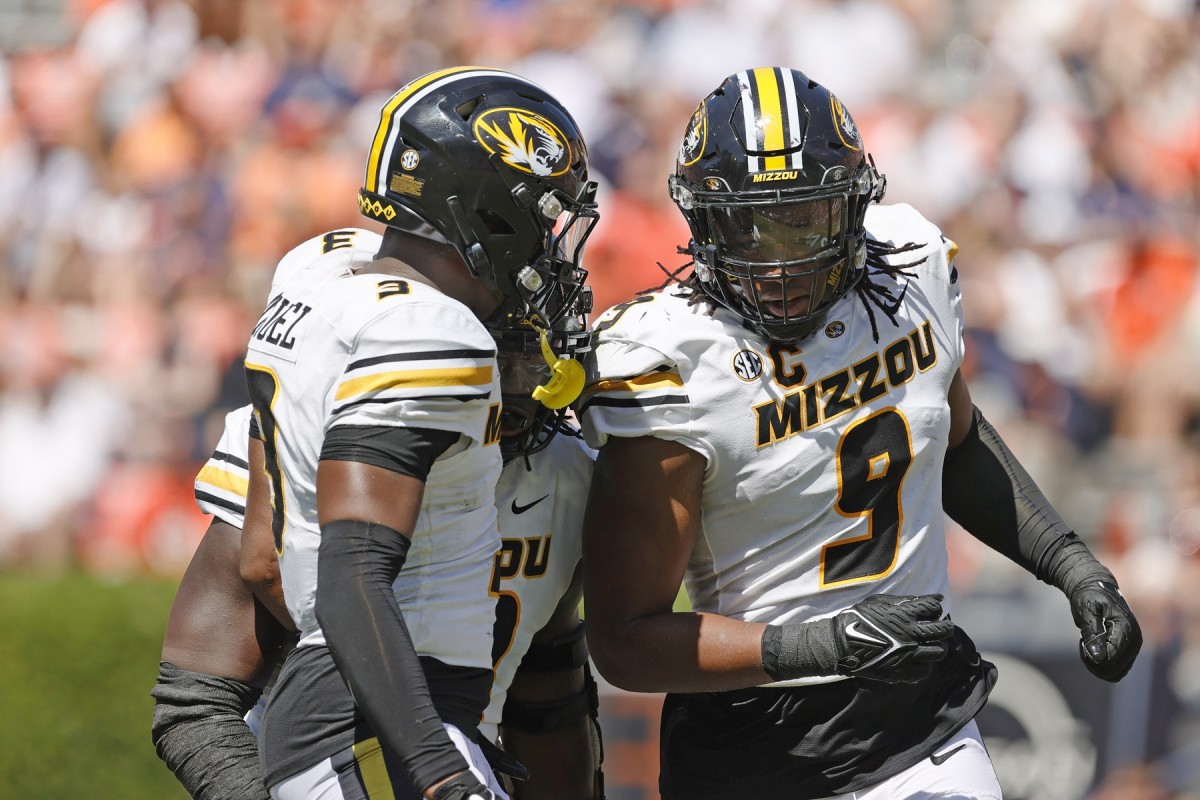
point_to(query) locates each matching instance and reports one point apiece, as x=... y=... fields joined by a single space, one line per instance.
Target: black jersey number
x=264 y=390
x=505 y=564
x=873 y=457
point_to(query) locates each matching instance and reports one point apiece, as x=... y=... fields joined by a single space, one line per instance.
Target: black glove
x=890 y=638
x=1109 y=635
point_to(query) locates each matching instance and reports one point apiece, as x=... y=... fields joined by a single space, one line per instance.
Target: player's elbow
x=619 y=663
x=258 y=576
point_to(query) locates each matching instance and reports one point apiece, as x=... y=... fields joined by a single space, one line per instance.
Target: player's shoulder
x=903 y=237
x=368 y=307
x=647 y=313
x=325 y=256
x=661 y=331
x=566 y=453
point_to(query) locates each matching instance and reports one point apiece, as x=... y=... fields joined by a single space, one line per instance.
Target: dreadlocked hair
x=691 y=284
x=872 y=292
x=870 y=289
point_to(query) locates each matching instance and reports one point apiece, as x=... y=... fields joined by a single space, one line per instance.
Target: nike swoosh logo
x=852 y=630
x=516 y=509
x=938 y=760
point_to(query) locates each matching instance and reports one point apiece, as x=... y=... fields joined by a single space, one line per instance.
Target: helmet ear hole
x=465 y=110
x=494 y=223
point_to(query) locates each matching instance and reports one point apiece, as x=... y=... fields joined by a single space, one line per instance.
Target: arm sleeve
x=200 y=734
x=373 y=650
x=987 y=491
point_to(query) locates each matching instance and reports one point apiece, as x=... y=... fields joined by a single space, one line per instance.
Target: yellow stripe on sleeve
x=222 y=479
x=655 y=380
x=770 y=116
x=414 y=379
x=368 y=755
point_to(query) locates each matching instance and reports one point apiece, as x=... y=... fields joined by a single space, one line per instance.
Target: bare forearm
x=680 y=652
x=561 y=764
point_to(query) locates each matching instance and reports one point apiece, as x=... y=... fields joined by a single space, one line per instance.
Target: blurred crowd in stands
x=157 y=157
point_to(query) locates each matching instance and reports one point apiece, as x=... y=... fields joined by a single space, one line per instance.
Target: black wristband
x=799 y=650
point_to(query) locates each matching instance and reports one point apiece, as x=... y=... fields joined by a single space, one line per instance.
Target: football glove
x=463 y=786
x=1109 y=635
x=892 y=638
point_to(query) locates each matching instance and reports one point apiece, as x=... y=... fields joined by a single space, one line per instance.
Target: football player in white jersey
x=376 y=390
x=781 y=431
x=221 y=645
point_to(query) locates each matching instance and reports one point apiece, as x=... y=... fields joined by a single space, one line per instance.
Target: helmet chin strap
x=566 y=375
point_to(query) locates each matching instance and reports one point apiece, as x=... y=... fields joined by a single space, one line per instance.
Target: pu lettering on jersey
x=840 y=392
x=529 y=557
x=278 y=322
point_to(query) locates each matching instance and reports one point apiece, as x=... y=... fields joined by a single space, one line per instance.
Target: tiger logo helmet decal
x=847 y=130
x=694 y=139
x=526 y=141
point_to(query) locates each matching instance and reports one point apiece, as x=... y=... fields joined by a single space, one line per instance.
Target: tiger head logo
x=695 y=138
x=846 y=129
x=526 y=141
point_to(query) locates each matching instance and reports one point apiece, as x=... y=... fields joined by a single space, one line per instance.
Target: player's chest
x=760 y=396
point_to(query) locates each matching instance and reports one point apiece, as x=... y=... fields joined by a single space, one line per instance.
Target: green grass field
x=78 y=657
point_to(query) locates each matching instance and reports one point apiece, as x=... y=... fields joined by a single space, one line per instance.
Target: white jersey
x=222 y=482
x=335 y=348
x=541 y=524
x=824 y=473
x=541 y=521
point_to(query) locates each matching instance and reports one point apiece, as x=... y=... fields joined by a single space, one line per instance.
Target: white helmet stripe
x=752 y=134
x=795 y=127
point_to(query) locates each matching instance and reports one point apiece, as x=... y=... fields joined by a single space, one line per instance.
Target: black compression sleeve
x=200 y=734
x=409 y=451
x=373 y=651
x=987 y=491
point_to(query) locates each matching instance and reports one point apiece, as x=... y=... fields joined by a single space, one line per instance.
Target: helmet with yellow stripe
x=774 y=182
x=493 y=164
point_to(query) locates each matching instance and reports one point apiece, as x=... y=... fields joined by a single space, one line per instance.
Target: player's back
x=342 y=347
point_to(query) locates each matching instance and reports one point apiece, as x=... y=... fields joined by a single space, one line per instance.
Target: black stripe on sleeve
x=231 y=459
x=221 y=502
x=638 y=402
x=425 y=355
x=462 y=398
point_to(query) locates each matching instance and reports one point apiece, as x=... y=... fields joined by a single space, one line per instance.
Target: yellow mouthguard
x=566 y=379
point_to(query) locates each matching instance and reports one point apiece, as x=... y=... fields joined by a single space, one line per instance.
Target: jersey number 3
x=873 y=457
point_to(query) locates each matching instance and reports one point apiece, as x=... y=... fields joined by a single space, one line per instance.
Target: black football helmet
x=774 y=182
x=494 y=165
x=527 y=425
